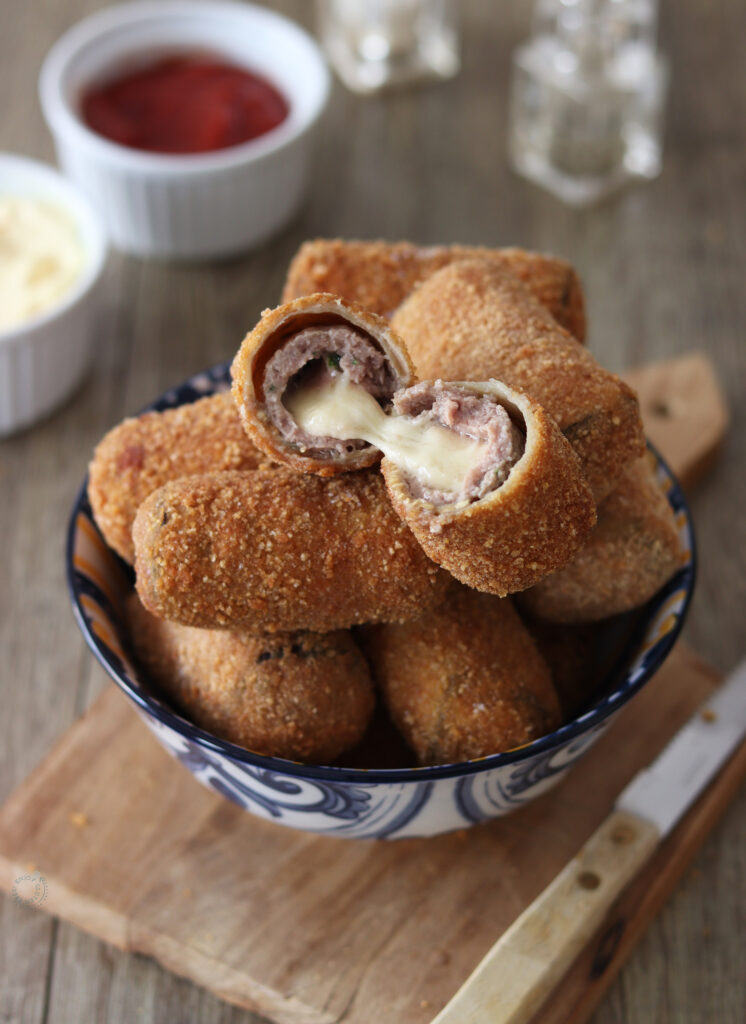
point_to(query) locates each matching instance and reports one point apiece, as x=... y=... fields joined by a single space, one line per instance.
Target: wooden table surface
x=663 y=267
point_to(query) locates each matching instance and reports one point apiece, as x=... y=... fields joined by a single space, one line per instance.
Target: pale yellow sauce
x=41 y=257
x=439 y=458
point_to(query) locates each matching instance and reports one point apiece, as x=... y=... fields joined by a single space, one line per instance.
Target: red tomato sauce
x=191 y=103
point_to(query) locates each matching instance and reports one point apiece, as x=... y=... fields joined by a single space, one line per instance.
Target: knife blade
x=662 y=792
x=527 y=962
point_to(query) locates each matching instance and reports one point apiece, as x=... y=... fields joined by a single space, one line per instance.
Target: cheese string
x=438 y=457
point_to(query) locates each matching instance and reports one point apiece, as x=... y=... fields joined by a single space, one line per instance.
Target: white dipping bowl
x=44 y=358
x=193 y=206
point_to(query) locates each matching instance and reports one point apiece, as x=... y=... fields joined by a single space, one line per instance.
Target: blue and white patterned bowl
x=360 y=803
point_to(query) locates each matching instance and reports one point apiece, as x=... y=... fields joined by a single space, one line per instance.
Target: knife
x=532 y=956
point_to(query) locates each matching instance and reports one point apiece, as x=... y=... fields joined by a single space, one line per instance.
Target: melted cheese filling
x=439 y=458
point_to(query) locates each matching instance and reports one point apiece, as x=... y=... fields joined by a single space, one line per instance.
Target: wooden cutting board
x=684 y=412
x=113 y=835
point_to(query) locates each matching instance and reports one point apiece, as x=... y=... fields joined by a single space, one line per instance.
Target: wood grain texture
x=684 y=413
x=530 y=960
x=594 y=970
x=307 y=928
x=663 y=270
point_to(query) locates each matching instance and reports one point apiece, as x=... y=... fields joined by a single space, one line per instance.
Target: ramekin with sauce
x=212 y=202
x=52 y=252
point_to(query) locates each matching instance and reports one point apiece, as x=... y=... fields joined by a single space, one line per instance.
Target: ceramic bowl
x=359 y=803
x=43 y=359
x=187 y=206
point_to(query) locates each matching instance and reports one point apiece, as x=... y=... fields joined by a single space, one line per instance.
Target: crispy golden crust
x=572 y=656
x=142 y=454
x=305 y=696
x=527 y=527
x=582 y=657
x=632 y=551
x=476 y=320
x=266 y=338
x=465 y=680
x=380 y=275
x=279 y=551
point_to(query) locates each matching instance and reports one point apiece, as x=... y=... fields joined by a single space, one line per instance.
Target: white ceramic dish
x=43 y=359
x=194 y=206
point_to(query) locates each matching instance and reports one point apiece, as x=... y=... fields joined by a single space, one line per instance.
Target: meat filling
x=311 y=357
x=451 y=445
x=471 y=415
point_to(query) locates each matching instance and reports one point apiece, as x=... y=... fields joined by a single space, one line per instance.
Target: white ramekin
x=43 y=359
x=195 y=206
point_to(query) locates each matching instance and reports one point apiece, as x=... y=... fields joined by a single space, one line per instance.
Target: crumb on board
x=79 y=819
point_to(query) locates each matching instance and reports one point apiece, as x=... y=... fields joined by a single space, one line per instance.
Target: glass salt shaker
x=373 y=44
x=587 y=97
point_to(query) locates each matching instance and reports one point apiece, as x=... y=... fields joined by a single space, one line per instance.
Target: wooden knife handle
x=532 y=956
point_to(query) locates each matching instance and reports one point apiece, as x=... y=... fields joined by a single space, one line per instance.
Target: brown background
x=663 y=266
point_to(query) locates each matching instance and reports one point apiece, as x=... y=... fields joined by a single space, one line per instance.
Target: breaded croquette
x=630 y=553
x=145 y=452
x=465 y=680
x=304 y=696
x=277 y=551
x=475 y=320
x=380 y=275
x=305 y=343
x=582 y=657
x=572 y=656
x=481 y=474
x=528 y=508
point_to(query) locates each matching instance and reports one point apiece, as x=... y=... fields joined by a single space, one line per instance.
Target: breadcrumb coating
x=475 y=320
x=304 y=696
x=274 y=328
x=528 y=526
x=143 y=453
x=571 y=652
x=582 y=657
x=465 y=680
x=631 y=552
x=277 y=551
x=380 y=275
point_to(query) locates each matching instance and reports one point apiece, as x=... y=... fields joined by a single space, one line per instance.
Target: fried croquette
x=380 y=275
x=303 y=696
x=465 y=680
x=631 y=552
x=306 y=343
x=491 y=489
x=528 y=508
x=145 y=452
x=571 y=652
x=277 y=551
x=583 y=657
x=475 y=320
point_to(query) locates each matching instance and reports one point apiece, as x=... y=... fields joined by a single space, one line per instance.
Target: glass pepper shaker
x=587 y=97
x=373 y=44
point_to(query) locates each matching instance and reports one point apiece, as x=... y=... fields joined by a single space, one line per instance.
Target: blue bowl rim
x=153 y=707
